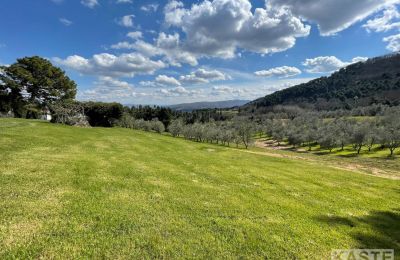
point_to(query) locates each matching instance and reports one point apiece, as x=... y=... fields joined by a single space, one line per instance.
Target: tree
x=69 y=112
x=176 y=127
x=390 y=136
x=157 y=126
x=245 y=131
x=358 y=136
x=103 y=114
x=42 y=82
x=310 y=132
x=343 y=130
x=327 y=137
x=372 y=136
x=278 y=131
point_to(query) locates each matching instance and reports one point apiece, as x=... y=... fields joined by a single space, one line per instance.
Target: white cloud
x=108 y=89
x=203 y=76
x=384 y=22
x=90 y=3
x=166 y=45
x=393 y=42
x=149 y=84
x=333 y=16
x=65 y=21
x=165 y=80
x=210 y=74
x=105 y=64
x=149 y=8
x=171 y=48
x=227 y=90
x=135 y=35
x=124 y=1
x=126 y=21
x=178 y=92
x=357 y=59
x=327 y=64
x=281 y=72
x=192 y=79
x=123 y=45
x=220 y=27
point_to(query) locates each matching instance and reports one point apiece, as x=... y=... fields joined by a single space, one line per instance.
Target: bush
x=103 y=114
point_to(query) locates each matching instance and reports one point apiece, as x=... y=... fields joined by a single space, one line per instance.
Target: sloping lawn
x=70 y=192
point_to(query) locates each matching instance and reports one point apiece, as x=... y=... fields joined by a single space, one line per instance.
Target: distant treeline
x=110 y=114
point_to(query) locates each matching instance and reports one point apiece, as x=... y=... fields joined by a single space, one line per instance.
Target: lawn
x=119 y=193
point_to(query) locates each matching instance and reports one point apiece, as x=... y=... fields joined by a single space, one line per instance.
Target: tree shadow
x=336 y=220
x=380 y=229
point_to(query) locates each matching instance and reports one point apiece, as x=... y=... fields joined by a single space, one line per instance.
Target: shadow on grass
x=336 y=220
x=380 y=229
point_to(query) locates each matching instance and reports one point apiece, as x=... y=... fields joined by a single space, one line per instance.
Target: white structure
x=46 y=115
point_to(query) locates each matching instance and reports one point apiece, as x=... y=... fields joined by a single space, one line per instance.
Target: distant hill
x=206 y=105
x=375 y=81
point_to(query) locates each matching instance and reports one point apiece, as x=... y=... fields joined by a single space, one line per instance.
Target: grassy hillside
x=120 y=193
x=376 y=81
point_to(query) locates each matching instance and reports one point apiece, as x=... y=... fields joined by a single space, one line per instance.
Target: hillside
x=206 y=105
x=375 y=81
x=125 y=194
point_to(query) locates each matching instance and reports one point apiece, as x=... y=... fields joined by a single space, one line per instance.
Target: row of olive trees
x=238 y=131
x=309 y=130
x=154 y=125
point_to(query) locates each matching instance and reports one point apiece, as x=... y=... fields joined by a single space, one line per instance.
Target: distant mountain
x=206 y=105
x=375 y=81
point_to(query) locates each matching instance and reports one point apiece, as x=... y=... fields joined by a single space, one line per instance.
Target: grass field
x=118 y=193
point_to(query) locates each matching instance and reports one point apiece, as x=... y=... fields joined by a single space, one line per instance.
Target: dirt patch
x=271 y=148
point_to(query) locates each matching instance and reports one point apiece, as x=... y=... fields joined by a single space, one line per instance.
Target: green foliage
x=103 y=114
x=42 y=83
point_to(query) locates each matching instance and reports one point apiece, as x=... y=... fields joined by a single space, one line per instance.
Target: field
x=119 y=193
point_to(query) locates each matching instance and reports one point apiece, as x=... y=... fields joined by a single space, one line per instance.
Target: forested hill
x=375 y=81
x=208 y=105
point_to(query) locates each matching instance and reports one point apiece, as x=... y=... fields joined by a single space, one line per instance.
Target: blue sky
x=168 y=52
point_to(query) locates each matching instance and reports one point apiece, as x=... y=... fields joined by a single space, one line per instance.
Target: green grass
x=118 y=193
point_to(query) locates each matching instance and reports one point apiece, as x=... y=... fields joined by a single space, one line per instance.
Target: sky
x=170 y=52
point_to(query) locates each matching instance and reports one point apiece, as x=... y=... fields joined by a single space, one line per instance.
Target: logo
x=362 y=254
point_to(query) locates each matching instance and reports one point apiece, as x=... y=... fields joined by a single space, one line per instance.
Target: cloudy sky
x=167 y=52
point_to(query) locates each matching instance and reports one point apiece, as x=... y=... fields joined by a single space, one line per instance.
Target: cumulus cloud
x=220 y=27
x=178 y=92
x=126 y=21
x=333 y=16
x=281 y=72
x=384 y=22
x=165 y=80
x=135 y=35
x=203 y=76
x=105 y=64
x=90 y=3
x=108 y=89
x=393 y=42
x=227 y=90
x=149 y=8
x=124 y=1
x=327 y=64
x=166 y=45
x=65 y=21
x=123 y=45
